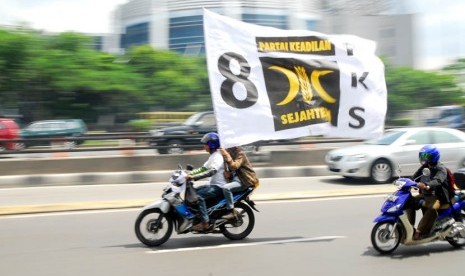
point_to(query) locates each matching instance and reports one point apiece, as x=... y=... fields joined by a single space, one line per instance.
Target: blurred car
x=186 y=136
x=54 y=129
x=9 y=129
x=398 y=148
x=446 y=116
x=197 y=124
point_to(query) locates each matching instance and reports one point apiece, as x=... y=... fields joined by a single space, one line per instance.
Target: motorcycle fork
x=393 y=229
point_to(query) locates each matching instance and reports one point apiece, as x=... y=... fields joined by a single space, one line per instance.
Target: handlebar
x=405 y=183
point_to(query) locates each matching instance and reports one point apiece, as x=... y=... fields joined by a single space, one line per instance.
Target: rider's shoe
x=231 y=215
x=199 y=227
x=417 y=235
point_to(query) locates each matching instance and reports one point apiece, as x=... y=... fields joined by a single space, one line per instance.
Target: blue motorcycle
x=393 y=226
x=178 y=210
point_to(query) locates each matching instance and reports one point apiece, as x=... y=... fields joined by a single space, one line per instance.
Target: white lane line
x=323 y=238
x=330 y=198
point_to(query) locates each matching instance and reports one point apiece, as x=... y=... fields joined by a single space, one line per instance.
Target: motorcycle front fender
x=161 y=204
x=386 y=218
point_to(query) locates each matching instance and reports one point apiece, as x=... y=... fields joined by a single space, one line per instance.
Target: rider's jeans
x=228 y=190
x=204 y=193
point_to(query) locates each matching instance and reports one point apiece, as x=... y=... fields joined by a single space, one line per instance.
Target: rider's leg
x=228 y=190
x=411 y=208
x=203 y=194
x=430 y=215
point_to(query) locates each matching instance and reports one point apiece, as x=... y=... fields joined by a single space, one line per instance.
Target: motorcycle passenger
x=432 y=191
x=243 y=176
x=214 y=168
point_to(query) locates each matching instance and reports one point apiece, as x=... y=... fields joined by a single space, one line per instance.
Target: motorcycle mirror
x=426 y=172
x=179 y=166
x=189 y=167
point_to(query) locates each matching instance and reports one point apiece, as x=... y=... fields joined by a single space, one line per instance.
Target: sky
x=86 y=16
x=93 y=16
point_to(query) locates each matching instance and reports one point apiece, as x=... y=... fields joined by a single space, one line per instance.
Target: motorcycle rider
x=243 y=176
x=214 y=168
x=433 y=191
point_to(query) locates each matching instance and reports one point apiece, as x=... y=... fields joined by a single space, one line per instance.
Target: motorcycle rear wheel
x=153 y=228
x=243 y=226
x=458 y=242
x=380 y=239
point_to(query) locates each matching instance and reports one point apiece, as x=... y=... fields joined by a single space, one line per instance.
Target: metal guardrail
x=139 y=141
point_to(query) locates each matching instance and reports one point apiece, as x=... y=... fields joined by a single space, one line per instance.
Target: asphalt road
x=300 y=237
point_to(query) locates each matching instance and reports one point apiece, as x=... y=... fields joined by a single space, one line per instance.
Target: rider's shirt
x=215 y=161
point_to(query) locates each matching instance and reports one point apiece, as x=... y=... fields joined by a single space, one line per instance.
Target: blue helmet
x=429 y=154
x=212 y=140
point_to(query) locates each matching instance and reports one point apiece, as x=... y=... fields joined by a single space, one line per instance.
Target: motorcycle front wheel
x=153 y=228
x=385 y=238
x=241 y=227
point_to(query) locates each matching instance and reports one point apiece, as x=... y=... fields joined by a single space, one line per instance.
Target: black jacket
x=438 y=181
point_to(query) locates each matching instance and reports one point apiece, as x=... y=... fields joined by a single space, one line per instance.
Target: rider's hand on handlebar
x=422 y=186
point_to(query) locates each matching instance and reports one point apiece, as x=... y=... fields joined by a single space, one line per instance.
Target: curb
x=124 y=204
x=37 y=180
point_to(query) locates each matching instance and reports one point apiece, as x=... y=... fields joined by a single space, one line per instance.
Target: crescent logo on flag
x=290 y=84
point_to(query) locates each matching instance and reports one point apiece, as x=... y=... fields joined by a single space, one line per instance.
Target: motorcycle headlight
x=178 y=178
x=394 y=209
x=399 y=184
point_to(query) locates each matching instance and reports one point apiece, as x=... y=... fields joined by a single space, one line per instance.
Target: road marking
x=323 y=238
x=318 y=199
x=68 y=213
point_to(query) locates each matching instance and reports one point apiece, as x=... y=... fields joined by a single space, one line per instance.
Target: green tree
x=173 y=81
x=415 y=89
x=15 y=52
x=63 y=76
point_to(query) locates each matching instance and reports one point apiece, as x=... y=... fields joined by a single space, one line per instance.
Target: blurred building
x=383 y=21
x=407 y=33
x=423 y=34
x=177 y=24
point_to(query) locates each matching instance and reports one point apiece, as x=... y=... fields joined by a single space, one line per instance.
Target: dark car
x=446 y=116
x=9 y=129
x=186 y=134
x=51 y=129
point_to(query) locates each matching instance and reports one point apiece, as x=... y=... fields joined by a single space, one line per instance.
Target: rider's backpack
x=451 y=187
x=459 y=177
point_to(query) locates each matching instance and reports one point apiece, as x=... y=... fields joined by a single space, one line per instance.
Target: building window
x=135 y=35
x=186 y=35
x=276 y=21
x=311 y=25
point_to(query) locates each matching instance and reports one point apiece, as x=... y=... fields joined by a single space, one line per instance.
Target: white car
x=379 y=159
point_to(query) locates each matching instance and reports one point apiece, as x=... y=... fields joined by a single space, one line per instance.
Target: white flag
x=268 y=83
